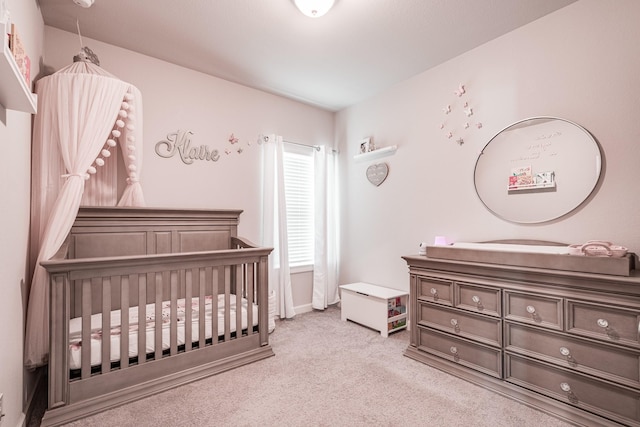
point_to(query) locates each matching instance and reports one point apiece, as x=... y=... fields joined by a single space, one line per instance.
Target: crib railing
x=80 y=288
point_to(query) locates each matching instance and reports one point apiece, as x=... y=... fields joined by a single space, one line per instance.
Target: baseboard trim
x=305 y=308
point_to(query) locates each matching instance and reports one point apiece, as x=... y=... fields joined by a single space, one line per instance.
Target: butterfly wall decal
x=460 y=90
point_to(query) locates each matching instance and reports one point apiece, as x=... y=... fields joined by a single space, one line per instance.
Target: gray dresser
x=565 y=342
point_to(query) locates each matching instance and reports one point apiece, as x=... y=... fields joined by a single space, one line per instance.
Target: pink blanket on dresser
x=75 y=328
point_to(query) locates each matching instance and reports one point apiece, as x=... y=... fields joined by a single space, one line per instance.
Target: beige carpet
x=327 y=373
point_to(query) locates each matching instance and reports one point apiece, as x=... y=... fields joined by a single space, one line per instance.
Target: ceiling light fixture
x=314 y=8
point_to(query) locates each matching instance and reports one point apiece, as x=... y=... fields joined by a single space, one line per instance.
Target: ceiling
x=358 y=49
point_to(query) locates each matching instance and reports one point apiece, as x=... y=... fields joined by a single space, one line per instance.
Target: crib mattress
x=75 y=328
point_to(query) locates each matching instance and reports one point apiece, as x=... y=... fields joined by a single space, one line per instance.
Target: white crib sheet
x=75 y=328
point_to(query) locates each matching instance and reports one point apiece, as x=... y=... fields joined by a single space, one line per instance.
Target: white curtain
x=326 y=254
x=83 y=111
x=274 y=225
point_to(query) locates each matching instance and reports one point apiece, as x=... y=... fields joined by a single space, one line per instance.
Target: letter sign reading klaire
x=180 y=142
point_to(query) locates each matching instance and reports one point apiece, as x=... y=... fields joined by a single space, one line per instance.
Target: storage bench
x=377 y=307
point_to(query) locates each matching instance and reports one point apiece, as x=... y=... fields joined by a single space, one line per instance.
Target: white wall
x=178 y=98
x=15 y=170
x=580 y=63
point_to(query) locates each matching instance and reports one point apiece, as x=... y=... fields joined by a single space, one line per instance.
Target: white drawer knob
x=565 y=352
x=434 y=291
x=453 y=350
x=531 y=309
x=603 y=323
x=454 y=322
x=475 y=299
x=565 y=387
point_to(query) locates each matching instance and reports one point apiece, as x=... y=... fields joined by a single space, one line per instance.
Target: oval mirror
x=537 y=170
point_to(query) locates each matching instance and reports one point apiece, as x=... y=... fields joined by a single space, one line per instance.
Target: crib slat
x=158 y=317
x=125 y=285
x=239 y=288
x=187 y=278
x=250 y=284
x=85 y=364
x=215 y=321
x=106 y=325
x=202 y=274
x=210 y=289
x=143 y=281
x=225 y=274
x=173 y=314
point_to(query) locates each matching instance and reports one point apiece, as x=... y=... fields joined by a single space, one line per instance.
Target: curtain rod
x=315 y=147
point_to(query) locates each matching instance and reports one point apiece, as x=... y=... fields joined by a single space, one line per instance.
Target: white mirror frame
x=537 y=170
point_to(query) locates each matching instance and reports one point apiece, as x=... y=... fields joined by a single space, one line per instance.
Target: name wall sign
x=180 y=143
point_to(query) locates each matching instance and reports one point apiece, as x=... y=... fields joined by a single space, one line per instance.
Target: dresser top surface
x=554 y=277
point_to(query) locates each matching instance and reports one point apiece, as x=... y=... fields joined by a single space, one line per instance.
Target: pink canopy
x=84 y=115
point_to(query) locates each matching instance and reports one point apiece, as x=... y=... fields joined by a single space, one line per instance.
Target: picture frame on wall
x=366 y=145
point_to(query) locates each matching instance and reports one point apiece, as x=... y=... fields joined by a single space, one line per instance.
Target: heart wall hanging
x=376 y=174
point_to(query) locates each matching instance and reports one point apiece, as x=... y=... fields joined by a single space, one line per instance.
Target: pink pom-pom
x=111 y=143
x=116 y=133
x=99 y=161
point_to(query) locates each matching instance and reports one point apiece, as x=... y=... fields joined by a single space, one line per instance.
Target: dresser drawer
x=435 y=290
x=468 y=325
x=467 y=353
x=608 y=362
x=478 y=298
x=604 y=322
x=616 y=402
x=535 y=309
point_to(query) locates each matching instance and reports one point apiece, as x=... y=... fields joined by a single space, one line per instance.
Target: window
x=298 y=182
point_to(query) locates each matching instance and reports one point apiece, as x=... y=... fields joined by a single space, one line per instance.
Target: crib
x=146 y=299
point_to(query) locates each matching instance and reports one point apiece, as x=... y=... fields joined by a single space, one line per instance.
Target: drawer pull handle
x=566 y=353
x=455 y=324
x=476 y=299
x=434 y=291
x=570 y=394
x=603 y=323
x=454 y=350
x=531 y=309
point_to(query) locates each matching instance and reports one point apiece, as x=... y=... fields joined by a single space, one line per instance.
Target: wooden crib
x=171 y=270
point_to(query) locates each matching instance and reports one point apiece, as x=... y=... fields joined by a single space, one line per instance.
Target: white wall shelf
x=14 y=92
x=376 y=154
x=532 y=186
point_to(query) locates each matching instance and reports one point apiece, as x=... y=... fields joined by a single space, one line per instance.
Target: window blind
x=298 y=177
